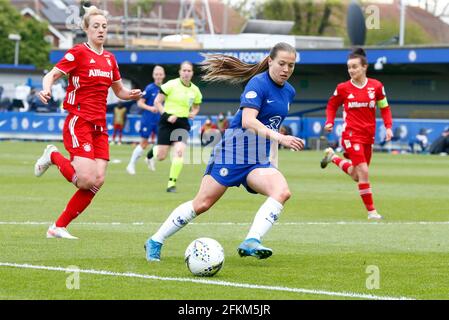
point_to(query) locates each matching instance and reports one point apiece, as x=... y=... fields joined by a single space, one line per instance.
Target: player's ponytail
x=220 y=67
x=360 y=54
x=89 y=12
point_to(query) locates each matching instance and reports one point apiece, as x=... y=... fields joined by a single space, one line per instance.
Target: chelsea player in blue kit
x=150 y=119
x=243 y=155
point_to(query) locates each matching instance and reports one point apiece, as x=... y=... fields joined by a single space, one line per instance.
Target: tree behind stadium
x=33 y=48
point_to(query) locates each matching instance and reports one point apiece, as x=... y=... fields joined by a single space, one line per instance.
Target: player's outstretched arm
x=335 y=101
x=125 y=94
x=141 y=104
x=47 y=82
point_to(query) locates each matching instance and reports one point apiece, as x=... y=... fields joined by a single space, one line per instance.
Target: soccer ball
x=204 y=257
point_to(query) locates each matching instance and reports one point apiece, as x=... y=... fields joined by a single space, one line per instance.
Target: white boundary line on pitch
x=208 y=282
x=385 y=223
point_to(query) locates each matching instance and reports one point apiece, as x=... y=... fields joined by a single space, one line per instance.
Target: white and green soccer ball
x=204 y=257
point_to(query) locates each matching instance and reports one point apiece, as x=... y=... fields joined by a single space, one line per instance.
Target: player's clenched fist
x=44 y=96
x=328 y=127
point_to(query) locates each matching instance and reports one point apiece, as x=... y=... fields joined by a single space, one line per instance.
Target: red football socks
x=367 y=196
x=80 y=200
x=65 y=167
x=342 y=164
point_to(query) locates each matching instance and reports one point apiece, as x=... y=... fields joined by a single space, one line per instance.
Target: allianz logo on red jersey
x=355 y=104
x=99 y=73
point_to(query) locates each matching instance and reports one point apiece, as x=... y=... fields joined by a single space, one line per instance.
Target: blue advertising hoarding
x=308 y=56
x=48 y=126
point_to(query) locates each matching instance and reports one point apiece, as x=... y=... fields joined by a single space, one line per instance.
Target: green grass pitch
x=324 y=248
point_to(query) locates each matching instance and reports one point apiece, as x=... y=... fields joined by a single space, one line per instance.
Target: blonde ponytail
x=220 y=67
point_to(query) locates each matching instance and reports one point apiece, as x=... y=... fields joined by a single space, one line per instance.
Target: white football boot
x=131 y=169
x=374 y=216
x=328 y=154
x=150 y=163
x=57 y=232
x=44 y=162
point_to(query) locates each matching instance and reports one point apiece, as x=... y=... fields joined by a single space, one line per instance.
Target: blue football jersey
x=240 y=146
x=151 y=92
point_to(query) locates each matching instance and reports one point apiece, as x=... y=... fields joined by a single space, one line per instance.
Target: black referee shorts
x=169 y=133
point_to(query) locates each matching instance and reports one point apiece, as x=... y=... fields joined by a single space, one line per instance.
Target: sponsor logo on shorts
x=87 y=147
x=224 y=172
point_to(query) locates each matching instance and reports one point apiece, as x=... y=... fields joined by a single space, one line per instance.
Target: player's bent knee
x=201 y=206
x=179 y=154
x=285 y=195
x=85 y=184
x=362 y=174
x=143 y=145
x=85 y=181
x=282 y=196
x=99 y=182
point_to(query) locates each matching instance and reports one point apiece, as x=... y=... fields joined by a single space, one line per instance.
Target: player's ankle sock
x=366 y=195
x=171 y=183
x=175 y=171
x=136 y=154
x=155 y=149
x=180 y=217
x=343 y=164
x=79 y=201
x=152 y=153
x=65 y=166
x=267 y=215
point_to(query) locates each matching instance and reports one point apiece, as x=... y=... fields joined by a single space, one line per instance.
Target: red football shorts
x=118 y=127
x=84 y=139
x=357 y=152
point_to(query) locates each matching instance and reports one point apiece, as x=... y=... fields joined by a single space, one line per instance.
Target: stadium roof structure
x=268 y=26
x=411 y=55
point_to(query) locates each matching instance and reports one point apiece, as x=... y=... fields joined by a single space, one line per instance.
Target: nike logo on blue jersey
x=270 y=101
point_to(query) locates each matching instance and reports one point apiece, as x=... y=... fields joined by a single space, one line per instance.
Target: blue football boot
x=252 y=247
x=153 y=250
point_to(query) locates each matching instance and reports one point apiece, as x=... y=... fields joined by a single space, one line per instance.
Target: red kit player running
x=359 y=96
x=91 y=71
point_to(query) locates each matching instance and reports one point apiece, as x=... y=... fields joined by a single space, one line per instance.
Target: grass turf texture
x=311 y=249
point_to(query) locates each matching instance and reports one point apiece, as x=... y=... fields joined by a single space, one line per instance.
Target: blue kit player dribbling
x=243 y=155
x=149 y=121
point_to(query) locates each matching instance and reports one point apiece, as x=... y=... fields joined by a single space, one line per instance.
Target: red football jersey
x=359 y=114
x=90 y=76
